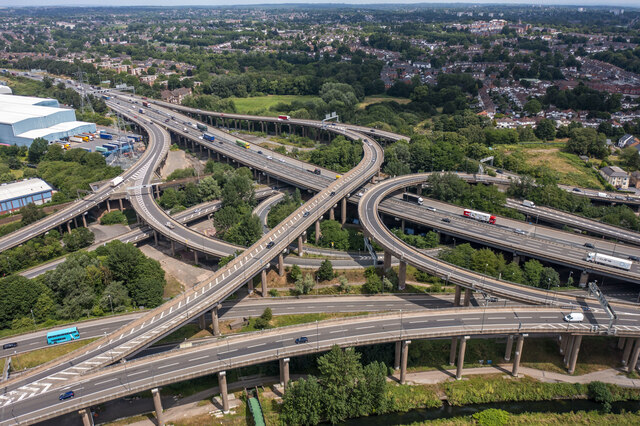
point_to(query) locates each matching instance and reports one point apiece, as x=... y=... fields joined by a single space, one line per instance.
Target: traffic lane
x=499 y=233
x=218 y=356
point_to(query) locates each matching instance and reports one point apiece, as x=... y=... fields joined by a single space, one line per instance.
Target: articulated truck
x=603 y=259
x=482 y=217
x=412 y=198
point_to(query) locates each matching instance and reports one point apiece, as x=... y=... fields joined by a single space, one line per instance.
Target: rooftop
x=10 y=191
x=67 y=126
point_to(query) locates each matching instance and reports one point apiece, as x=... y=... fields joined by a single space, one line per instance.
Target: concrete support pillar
x=195 y=256
x=403 y=361
x=627 y=350
x=584 y=277
x=318 y=233
x=173 y=248
x=516 y=258
x=202 y=322
x=633 y=361
x=120 y=202
x=281 y=265
x=402 y=225
x=467 y=296
x=509 y=348
x=456 y=298
x=108 y=206
x=332 y=214
x=517 y=356
x=300 y=246
x=157 y=405
x=155 y=237
x=452 y=352
x=75 y=222
x=621 y=342
x=222 y=382
x=284 y=369
x=563 y=343
x=87 y=419
x=84 y=220
x=574 y=354
x=343 y=211
x=402 y=275
x=461 y=351
x=69 y=226
x=215 y=323
x=387 y=261
x=567 y=351
x=263 y=277
x=250 y=286
x=396 y=364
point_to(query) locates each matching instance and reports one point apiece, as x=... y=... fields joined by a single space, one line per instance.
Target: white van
x=574 y=317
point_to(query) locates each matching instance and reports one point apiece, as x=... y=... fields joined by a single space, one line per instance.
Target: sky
x=14 y=3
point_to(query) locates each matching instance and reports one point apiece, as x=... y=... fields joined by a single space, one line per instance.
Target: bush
x=113 y=218
x=492 y=417
x=325 y=273
x=273 y=292
x=267 y=314
x=600 y=392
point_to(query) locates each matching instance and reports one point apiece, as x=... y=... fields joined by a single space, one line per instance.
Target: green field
x=264 y=103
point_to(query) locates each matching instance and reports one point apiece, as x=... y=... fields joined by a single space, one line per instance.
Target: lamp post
x=110 y=303
x=33 y=318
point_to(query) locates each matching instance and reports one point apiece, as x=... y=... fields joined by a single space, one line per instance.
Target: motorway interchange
x=95 y=375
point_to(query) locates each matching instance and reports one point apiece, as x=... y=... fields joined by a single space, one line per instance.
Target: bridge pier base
x=452 y=352
x=627 y=350
x=387 y=261
x=215 y=324
x=284 y=372
x=456 y=298
x=584 y=277
x=263 y=278
x=634 y=356
x=574 y=354
x=402 y=275
x=300 y=247
x=467 y=296
x=343 y=211
x=403 y=361
x=222 y=383
x=87 y=419
x=509 y=348
x=398 y=354
x=281 y=265
x=157 y=406
x=517 y=355
x=461 y=351
x=318 y=233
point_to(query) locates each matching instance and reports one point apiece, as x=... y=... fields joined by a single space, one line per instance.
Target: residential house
x=615 y=176
x=627 y=140
x=175 y=96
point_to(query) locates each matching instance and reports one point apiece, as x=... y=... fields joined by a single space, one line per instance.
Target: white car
x=282 y=160
x=269 y=157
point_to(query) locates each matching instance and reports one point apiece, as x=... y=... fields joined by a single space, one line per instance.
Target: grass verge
x=34 y=358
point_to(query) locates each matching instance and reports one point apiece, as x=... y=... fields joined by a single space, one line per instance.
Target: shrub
x=492 y=417
x=113 y=218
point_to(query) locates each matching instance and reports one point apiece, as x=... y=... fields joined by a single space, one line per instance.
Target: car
x=519 y=231
x=169 y=225
x=632 y=257
x=166 y=121
x=446 y=220
x=184 y=130
x=269 y=157
x=492 y=299
x=282 y=160
x=66 y=395
x=360 y=194
x=302 y=339
x=618 y=197
x=373 y=131
x=586 y=308
x=9 y=345
x=305 y=214
x=270 y=244
x=574 y=317
x=332 y=193
x=431 y=208
x=576 y=189
x=589 y=245
x=499 y=171
x=259 y=152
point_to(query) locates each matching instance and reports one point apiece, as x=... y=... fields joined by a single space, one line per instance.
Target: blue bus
x=65 y=335
x=208 y=136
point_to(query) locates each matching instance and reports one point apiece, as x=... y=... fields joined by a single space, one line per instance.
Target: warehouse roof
x=10 y=191
x=11 y=113
x=29 y=100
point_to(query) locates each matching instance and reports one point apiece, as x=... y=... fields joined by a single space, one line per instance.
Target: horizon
x=219 y=3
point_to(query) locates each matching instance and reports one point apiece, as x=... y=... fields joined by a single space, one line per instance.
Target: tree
x=546 y=129
x=340 y=372
x=295 y=273
x=17 y=296
x=586 y=141
x=304 y=284
x=549 y=278
x=30 y=213
x=373 y=284
x=325 y=273
x=513 y=273
x=303 y=403
x=533 y=107
x=115 y=295
x=37 y=150
x=44 y=308
x=344 y=284
x=533 y=272
x=267 y=315
x=333 y=235
x=78 y=238
x=208 y=189
x=630 y=158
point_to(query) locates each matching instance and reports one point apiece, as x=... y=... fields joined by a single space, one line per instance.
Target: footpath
x=195 y=405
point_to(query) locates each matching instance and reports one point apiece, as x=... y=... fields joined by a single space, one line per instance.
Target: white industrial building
x=24 y=118
x=14 y=196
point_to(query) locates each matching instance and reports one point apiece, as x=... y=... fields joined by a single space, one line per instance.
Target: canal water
x=448 y=411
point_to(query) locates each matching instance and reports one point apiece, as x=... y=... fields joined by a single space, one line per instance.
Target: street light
x=110 y=303
x=33 y=317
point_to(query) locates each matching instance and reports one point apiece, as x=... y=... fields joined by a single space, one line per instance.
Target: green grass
x=406 y=397
x=286 y=320
x=2 y=362
x=264 y=103
x=579 y=418
x=40 y=356
x=370 y=100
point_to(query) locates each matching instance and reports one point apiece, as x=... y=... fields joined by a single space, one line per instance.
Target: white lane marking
x=139 y=372
x=105 y=381
x=168 y=365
